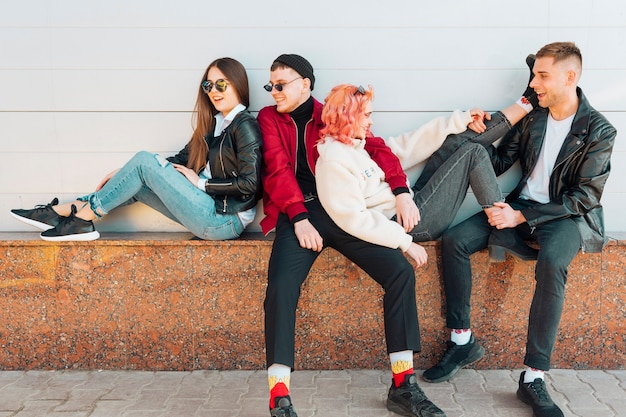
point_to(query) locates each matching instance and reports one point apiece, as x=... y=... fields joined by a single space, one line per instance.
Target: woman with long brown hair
x=211 y=186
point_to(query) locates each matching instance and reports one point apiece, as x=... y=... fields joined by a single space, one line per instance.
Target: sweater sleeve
x=418 y=145
x=341 y=196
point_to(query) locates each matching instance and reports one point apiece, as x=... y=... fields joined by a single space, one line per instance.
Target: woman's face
x=365 y=122
x=224 y=101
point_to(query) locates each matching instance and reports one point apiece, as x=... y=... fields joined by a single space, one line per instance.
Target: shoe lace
x=43 y=206
x=46 y=206
x=452 y=347
x=539 y=388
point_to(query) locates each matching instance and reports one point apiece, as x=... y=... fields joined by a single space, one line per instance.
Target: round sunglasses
x=278 y=87
x=220 y=85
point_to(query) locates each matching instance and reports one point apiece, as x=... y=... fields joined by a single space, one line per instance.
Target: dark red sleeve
x=388 y=162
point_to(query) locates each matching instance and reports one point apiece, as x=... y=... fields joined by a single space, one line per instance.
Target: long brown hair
x=204 y=112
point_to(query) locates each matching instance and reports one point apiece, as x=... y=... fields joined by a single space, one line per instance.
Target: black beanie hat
x=299 y=65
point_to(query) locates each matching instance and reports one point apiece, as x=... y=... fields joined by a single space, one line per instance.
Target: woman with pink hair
x=353 y=190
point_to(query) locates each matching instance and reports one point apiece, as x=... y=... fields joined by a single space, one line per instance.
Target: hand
x=478 y=124
x=503 y=216
x=418 y=253
x=190 y=174
x=308 y=236
x=408 y=215
x=106 y=179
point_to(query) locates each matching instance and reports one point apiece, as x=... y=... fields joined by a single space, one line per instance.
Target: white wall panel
x=175 y=90
x=392 y=47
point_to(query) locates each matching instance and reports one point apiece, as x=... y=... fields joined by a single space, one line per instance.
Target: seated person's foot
x=42 y=217
x=536 y=395
x=283 y=407
x=456 y=357
x=71 y=228
x=529 y=93
x=508 y=240
x=409 y=400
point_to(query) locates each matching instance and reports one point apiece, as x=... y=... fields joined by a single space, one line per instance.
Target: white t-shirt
x=538 y=186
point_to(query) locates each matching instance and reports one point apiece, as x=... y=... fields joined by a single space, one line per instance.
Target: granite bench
x=161 y=301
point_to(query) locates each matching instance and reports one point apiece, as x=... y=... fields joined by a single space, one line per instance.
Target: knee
x=477 y=150
x=551 y=273
x=282 y=286
x=406 y=274
x=143 y=157
x=450 y=242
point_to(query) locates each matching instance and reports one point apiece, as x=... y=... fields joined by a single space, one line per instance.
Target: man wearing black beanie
x=290 y=131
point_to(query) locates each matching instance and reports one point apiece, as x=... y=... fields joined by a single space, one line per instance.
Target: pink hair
x=344 y=108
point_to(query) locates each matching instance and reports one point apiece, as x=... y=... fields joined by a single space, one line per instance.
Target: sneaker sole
x=81 y=237
x=38 y=225
x=470 y=360
x=398 y=409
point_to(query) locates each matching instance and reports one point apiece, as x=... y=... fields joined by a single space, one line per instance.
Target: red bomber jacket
x=281 y=192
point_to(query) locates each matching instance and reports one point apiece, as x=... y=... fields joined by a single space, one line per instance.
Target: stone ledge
x=162 y=301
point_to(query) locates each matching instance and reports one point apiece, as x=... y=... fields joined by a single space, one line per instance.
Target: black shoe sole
x=398 y=409
x=497 y=254
x=468 y=361
x=79 y=237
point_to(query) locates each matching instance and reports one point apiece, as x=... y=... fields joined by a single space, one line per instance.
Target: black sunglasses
x=278 y=87
x=220 y=85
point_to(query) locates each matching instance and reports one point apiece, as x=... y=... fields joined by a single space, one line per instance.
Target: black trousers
x=289 y=266
x=559 y=242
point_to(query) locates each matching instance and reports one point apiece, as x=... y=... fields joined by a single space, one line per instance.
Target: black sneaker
x=536 y=395
x=503 y=241
x=529 y=94
x=283 y=407
x=71 y=228
x=409 y=400
x=454 y=359
x=42 y=217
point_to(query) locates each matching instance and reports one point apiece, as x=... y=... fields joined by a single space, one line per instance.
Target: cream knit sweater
x=352 y=187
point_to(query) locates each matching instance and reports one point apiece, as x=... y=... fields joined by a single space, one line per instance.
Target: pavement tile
x=184 y=406
x=604 y=384
x=12 y=399
x=109 y=408
x=617 y=405
x=303 y=378
x=350 y=393
x=37 y=408
x=81 y=400
x=99 y=379
x=128 y=385
x=9 y=377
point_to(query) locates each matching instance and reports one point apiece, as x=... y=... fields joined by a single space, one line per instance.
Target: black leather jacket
x=579 y=174
x=235 y=161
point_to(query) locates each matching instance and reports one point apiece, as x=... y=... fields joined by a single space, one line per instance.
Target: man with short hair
x=303 y=229
x=564 y=147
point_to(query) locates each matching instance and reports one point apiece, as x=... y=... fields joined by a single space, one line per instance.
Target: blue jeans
x=461 y=161
x=156 y=183
x=559 y=242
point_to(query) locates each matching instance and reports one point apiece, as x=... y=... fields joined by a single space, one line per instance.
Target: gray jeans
x=461 y=161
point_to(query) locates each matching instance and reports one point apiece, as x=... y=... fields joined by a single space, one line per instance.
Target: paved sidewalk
x=315 y=393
